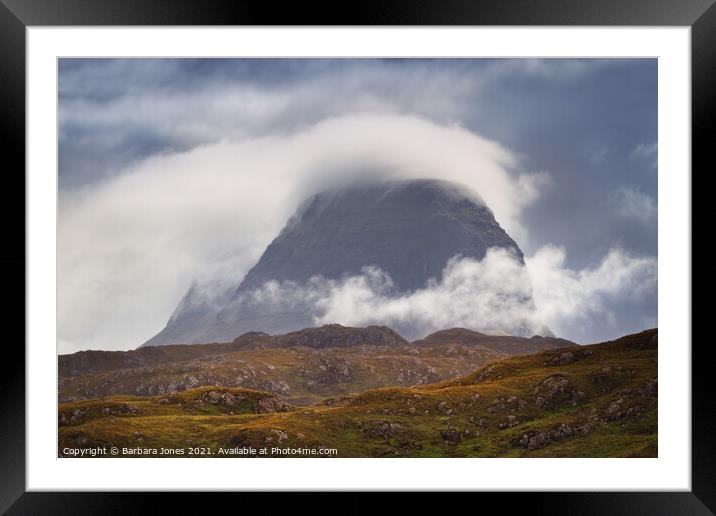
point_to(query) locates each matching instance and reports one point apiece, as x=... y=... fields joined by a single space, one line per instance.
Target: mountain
x=303 y=366
x=326 y=336
x=507 y=344
x=407 y=229
x=599 y=400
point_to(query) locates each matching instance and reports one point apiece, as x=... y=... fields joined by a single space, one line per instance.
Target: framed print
x=447 y=249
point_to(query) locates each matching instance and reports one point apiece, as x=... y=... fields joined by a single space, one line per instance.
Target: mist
x=176 y=173
x=128 y=248
x=494 y=294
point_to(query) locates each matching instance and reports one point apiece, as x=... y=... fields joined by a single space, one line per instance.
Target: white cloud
x=128 y=248
x=148 y=98
x=551 y=70
x=647 y=152
x=491 y=294
x=630 y=203
x=495 y=293
x=530 y=186
x=567 y=299
x=115 y=112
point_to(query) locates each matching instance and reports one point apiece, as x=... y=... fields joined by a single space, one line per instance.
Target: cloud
x=491 y=294
x=630 y=203
x=646 y=152
x=597 y=156
x=129 y=247
x=495 y=293
x=174 y=171
x=115 y=112
x=531 y=185
x=572 y=302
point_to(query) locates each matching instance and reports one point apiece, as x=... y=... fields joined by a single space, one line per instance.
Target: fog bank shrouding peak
x=498 y=293
x=129 y=247
x=403 y=232
x=495 y=293
x=489 y=294
x=437 y=259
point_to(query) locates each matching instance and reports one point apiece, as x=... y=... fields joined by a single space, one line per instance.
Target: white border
x=670 y=471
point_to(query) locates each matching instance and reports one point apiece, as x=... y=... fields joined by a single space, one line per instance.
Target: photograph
x=288 y=257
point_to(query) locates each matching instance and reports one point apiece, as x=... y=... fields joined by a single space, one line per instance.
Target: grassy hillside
x=303 y=367
x=326 y=336
x=507 y=344
x=301 y=375
x=592 y=401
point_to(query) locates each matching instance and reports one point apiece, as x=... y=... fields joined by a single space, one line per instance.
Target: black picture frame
x=16 y=15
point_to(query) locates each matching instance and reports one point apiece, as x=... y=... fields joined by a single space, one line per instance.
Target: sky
x=173 y=171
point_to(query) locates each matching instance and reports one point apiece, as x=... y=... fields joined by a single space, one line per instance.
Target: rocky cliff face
x=407 y=229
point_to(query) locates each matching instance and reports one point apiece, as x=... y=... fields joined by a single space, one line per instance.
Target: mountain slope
x=591 y=401
x=407 y=229
x=303 y=367
x=507 y=344
x=329 y=335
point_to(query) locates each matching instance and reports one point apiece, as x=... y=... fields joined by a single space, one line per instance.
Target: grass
x=462 y=417
x=302 y=375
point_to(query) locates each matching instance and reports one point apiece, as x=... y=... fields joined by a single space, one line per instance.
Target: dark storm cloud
x=590 y=124
x=108 y=107
x=115 y=112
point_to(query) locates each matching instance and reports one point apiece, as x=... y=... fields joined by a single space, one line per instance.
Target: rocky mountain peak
x=406 y=229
